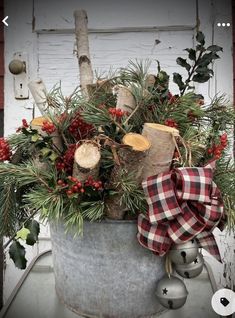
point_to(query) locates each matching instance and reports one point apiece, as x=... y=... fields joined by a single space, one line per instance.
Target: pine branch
x=8 y=208
x=132 y=196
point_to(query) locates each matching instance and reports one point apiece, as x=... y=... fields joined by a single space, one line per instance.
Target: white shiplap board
x=58 y=14
x=57 y=59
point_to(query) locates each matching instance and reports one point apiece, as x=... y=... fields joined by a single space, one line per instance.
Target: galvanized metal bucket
x=106 y=273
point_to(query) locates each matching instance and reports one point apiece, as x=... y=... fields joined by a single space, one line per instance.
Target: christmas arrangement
x=126 y=148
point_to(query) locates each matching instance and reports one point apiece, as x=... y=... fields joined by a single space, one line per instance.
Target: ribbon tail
x=208 y=242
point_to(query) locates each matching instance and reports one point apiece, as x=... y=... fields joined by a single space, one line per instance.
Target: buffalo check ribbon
x=183 y=204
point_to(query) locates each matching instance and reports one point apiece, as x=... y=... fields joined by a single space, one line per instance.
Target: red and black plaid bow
x=183 y=203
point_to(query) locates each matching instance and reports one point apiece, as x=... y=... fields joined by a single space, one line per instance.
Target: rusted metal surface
x=106 y=273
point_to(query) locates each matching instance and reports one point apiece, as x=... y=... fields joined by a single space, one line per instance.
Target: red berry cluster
x=65 y=163
x=117 y=112
x=79 y=128
x=48 y=127
x=73 y=185
x=171 y=123
x=216 y=150
x=96 y=185
x=5 y=152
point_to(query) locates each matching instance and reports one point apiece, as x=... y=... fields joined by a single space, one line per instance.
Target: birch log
x=125 y=99
x=160 y=155
x=39 y=93
x=86 y=161
x=132 y=163
x=83 y=54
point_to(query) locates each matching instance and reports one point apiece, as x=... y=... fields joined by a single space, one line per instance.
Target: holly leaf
x=34 y=228
x=22 y=233
x=215 y=48
x=17 y=254
x=191 y=54
x=200 y=37
x=177 y=78
x=201 y=78
x=182 y=62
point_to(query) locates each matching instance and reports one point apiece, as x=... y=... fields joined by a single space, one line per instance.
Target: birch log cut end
x=160 y=155
x=136 y=141
x=86 y=161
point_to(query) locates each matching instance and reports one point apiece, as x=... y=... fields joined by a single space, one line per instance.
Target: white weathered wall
x=50 y=47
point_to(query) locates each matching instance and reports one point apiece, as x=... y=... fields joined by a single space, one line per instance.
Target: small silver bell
x=171 y=292
x=184 y=253
x=192 y=269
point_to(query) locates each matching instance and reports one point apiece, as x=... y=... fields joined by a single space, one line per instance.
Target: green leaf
x=35 y=138
x=207 y=58
x=182 y=62
x=201 y=78
x=17 y=254
x=215 y=48
x=34 y=228
x=200 y=37
x=22 y=233
x=204 y=70
x=45 y=151
x=53 y=156
x=191 y=54
x=177 y=78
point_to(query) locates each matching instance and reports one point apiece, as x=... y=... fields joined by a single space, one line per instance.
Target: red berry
x=60 y=182
x=210 y=151
x=24 y=123
x=69 y=192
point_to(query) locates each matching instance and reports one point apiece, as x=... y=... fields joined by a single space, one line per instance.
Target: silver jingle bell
x=184 y=253
x=171 y=292
x=192 y=269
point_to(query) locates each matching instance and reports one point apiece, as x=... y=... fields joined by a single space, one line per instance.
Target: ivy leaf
x=22 y=233
x=201 y=78
x=34 y=228
x=191 y=54
x=177 y=78
x=17 y=254
x=182 y=62
x=200 y=37
x=215 y=48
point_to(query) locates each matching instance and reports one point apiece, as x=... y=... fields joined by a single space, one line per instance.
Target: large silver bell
x=192 y=269
x=171 y=292
x=184 y=253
